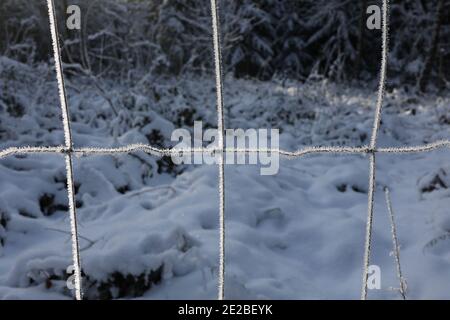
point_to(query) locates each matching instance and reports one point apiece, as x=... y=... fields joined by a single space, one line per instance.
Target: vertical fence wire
x=69 y=147
x=395 y=244
x=220 y=128
x=383 y=71
x=373 y=144
x=369 y=225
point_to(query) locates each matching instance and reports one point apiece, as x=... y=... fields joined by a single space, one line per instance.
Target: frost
x=167 y=250
x=69 y=145
x=396 y=246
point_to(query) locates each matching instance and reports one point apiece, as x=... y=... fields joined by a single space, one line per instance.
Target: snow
x=296 y=235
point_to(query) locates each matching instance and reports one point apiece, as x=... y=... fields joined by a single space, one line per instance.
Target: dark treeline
x=261 y=38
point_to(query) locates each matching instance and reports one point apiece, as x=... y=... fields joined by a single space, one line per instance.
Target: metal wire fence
x=68 y=151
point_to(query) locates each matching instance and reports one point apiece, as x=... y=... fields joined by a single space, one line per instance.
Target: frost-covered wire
x=31 y=150
x=160 y=152
x=69 y=145
x=369 y=225
x=59 y=73
x=396 y=247
x=413 y=149
x=155 y=151
x=373 y=144
x=220 y=127
x=319 y=150
x=371 y=149
x=382 y=83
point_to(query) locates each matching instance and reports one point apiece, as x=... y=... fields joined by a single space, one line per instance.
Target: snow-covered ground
x=149 y=229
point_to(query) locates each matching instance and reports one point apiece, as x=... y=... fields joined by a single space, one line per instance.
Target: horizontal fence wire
x=162 y=152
